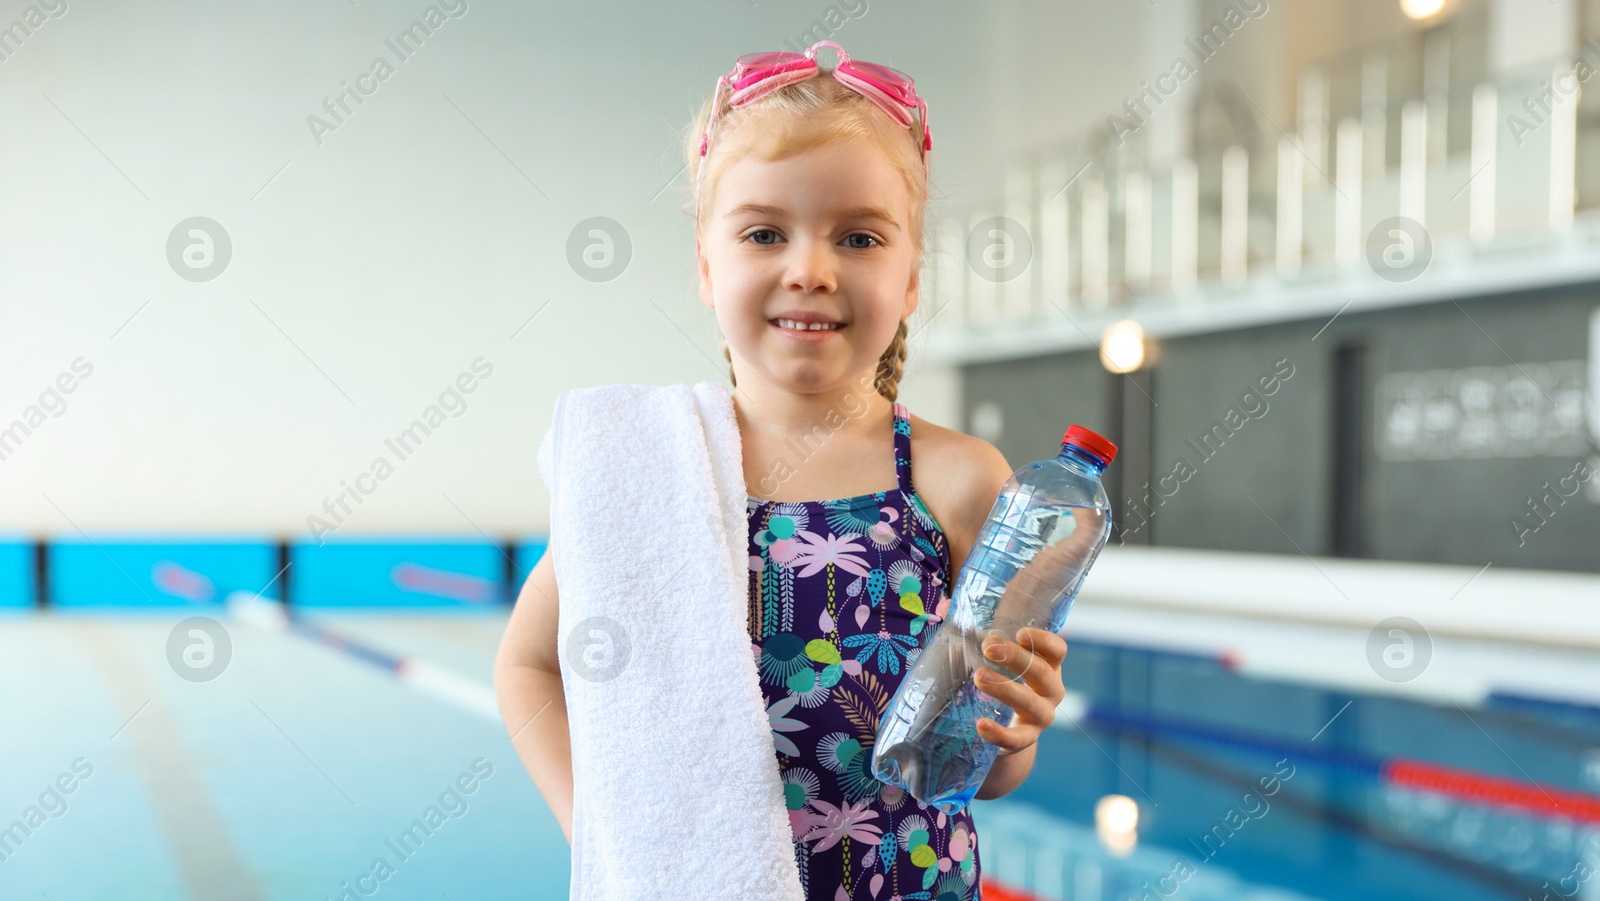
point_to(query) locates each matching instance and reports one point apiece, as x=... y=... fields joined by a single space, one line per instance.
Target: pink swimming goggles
x=755 y=75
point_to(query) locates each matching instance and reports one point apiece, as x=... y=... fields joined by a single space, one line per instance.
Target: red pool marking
x=443 y=583
x=1520 y=793
x=995 y=891
x=180 y=581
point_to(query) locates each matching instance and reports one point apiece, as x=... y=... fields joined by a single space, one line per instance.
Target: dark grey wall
x=1039 y=397
x=1269 y=460
x=1461 y=416
x=1459 y=510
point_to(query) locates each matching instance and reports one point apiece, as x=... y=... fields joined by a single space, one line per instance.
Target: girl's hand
x=1037 y=657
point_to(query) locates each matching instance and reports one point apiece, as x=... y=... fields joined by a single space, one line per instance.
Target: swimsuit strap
x=902 y=446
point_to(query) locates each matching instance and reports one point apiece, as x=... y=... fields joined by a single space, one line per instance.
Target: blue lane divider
x=441 y=573
x=266 y=613
x=1166 y=727
x=1228 y=659
x=343 y=643
x=174 y=571
x=156 y=572
x=1463 y=784
x=528 y=554
x=1215 y=659
x=1515 y=700
x=18 y=588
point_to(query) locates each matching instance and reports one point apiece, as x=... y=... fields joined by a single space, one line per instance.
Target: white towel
x=676 y=792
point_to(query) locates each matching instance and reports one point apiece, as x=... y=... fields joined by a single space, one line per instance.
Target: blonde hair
x=792 y=120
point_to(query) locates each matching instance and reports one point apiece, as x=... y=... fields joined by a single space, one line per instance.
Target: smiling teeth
x=812 y=327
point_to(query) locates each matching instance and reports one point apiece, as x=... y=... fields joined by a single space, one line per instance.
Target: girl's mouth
x=811 y=333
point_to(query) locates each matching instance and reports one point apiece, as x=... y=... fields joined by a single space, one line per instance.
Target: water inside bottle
x=1024 y=571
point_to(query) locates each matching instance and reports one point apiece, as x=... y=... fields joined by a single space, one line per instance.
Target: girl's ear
x=705 y=272
x=913 y=294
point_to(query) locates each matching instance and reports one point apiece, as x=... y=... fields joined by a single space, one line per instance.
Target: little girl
x=810 y=187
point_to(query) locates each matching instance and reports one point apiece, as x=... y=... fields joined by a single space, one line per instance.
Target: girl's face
x=827 y=232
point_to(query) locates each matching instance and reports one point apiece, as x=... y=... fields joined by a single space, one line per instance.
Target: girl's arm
x=1006 y=774
x=527 y=682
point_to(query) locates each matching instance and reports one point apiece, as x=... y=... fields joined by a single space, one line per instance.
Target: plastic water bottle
x=1025 y=568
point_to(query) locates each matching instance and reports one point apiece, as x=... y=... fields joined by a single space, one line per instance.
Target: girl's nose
x=811 y=268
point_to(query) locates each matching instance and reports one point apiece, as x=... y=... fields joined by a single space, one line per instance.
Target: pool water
x=304 y=772
x=1192 y=742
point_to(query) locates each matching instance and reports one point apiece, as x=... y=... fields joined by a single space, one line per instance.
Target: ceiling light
x=1421 y=9
x=1122 y=347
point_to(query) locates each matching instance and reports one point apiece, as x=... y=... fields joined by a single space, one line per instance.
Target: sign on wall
x=1547 y=409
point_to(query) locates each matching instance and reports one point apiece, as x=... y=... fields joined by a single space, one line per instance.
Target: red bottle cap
x=1093 y=442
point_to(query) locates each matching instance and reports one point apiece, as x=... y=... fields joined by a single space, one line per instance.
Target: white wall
x=1531 y=34
x=368 y=272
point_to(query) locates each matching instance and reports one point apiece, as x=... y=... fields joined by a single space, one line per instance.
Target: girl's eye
x=754 y=237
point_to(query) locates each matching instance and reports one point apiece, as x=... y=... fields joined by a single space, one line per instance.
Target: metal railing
x=1500 y=160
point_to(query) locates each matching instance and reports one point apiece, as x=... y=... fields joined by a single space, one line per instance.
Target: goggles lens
x=766 y=58
x=753 y=67
x=891 y=80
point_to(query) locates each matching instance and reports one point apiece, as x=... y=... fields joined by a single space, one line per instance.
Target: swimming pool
x=1386 y=798
x=1259 y=765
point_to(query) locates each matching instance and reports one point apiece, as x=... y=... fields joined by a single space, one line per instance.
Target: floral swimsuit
x=844 y=595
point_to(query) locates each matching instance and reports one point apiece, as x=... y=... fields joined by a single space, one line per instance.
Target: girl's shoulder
x=947 y=453
x=958 y=476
